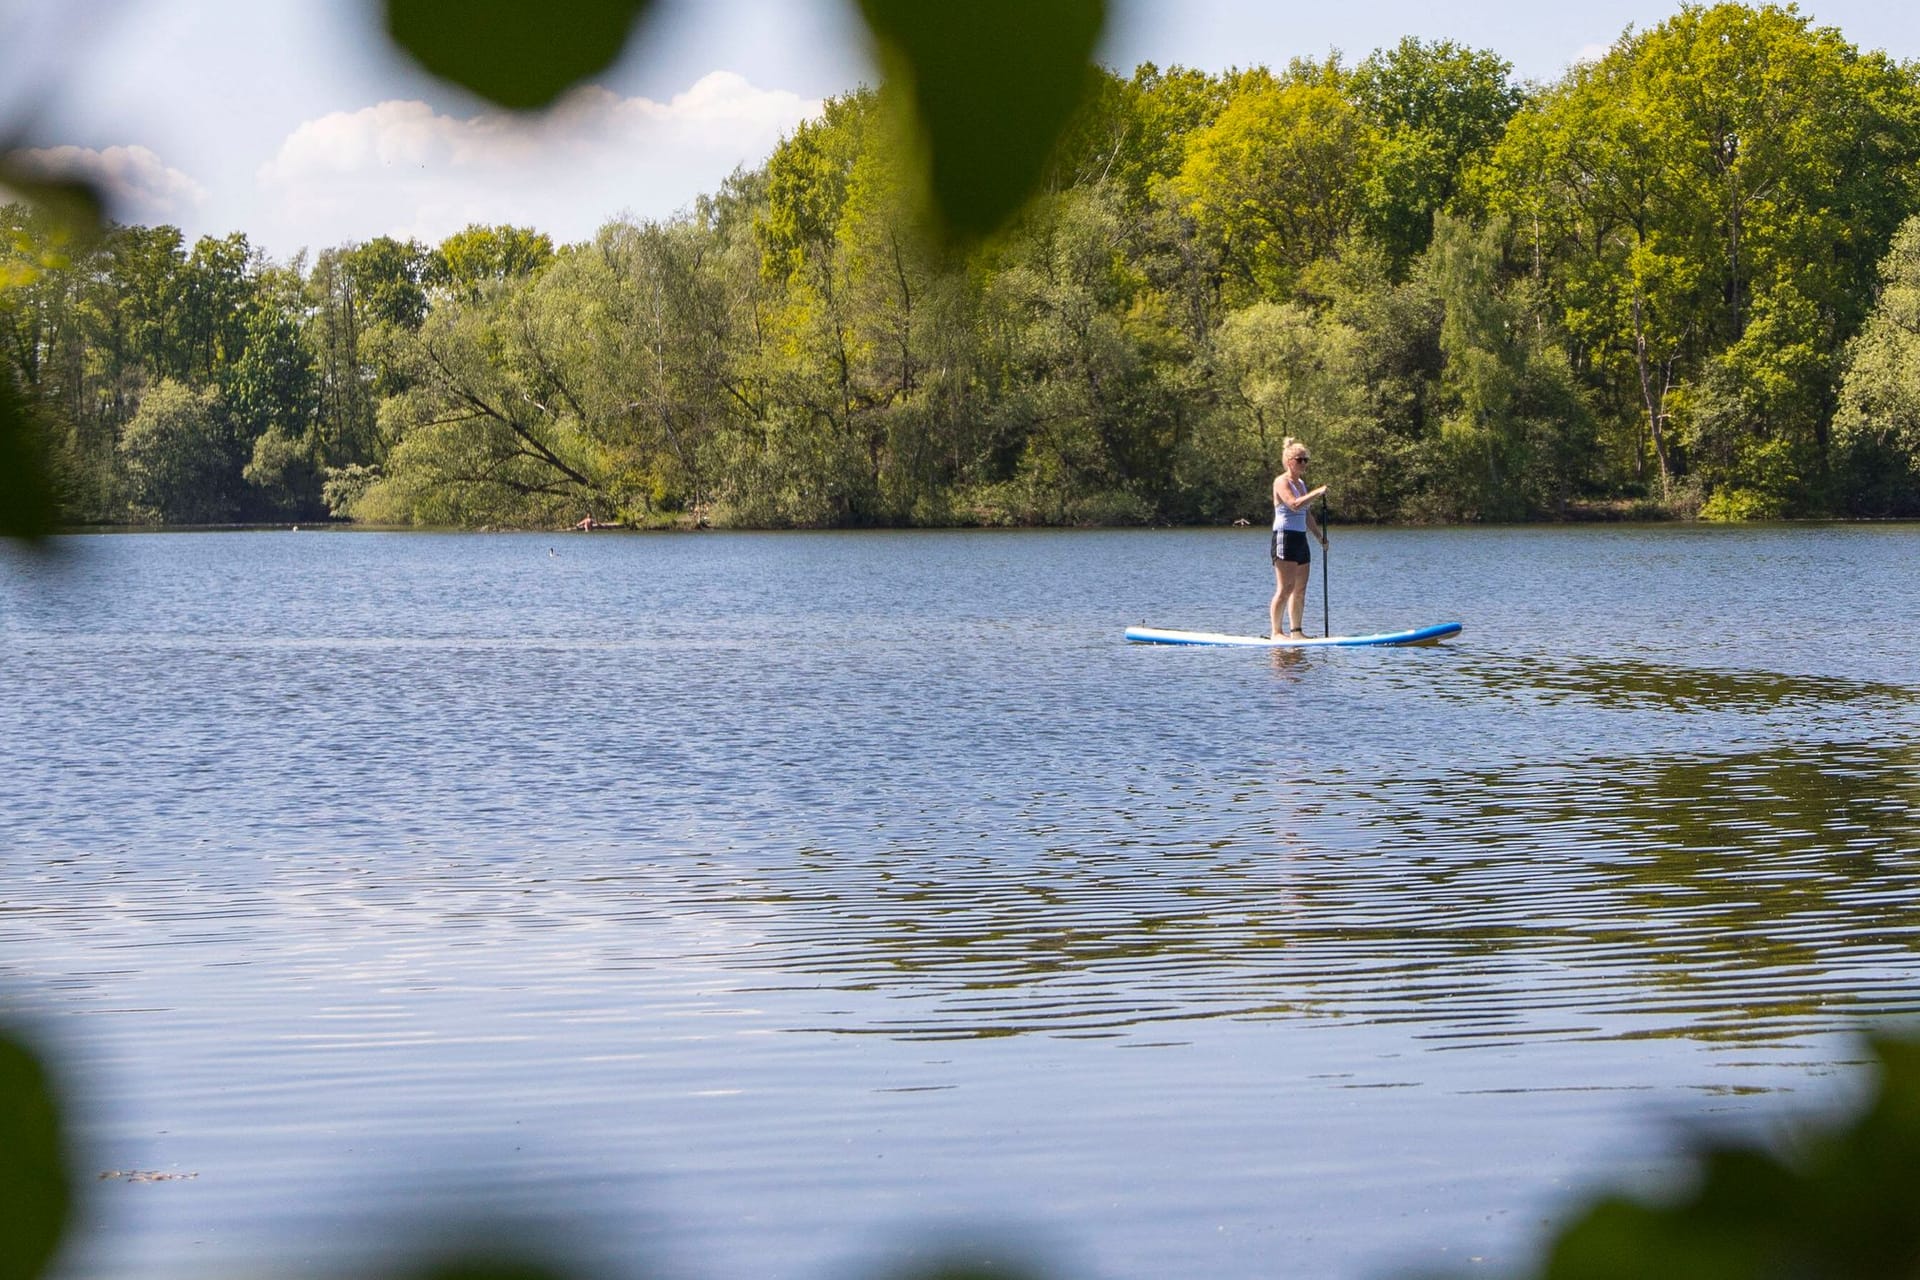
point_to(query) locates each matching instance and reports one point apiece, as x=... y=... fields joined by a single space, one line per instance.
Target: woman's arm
x=1292 y=503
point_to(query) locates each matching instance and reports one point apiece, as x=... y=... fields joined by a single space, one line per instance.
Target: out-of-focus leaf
x=1844 y=1202
x=517 y=53
x=1722 y=1234
x=75 y=204
x=27 y=506
x=34 y=1188
x=994 y=83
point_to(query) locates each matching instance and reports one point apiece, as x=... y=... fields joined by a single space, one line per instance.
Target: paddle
x=1326 y=614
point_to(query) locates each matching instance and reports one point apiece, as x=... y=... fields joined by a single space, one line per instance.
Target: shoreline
x=1632 y=514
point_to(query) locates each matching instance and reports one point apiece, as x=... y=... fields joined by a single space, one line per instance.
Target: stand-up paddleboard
x=1422 y=635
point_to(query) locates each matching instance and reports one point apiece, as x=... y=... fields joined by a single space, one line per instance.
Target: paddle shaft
x=1326 y=612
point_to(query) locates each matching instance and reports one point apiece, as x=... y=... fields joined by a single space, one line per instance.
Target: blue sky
x=291 y=121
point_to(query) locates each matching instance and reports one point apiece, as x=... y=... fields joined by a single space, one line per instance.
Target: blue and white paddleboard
x=1422 y=635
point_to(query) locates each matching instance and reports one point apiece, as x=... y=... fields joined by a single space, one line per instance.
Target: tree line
x=1684 y=278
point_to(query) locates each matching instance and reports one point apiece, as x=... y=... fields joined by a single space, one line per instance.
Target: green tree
x=1516 y=430
x=182 y=456
x=1285 y=369
x=1705 y=205
x=1133 y=132
x=466 y=264
x=521 y=407
x=42 y=364
x=1275 y=182
x=671 y=320
x=343 y=339
x=1386 y=461
x=271 y=392
x=917 y=416
x=1087 y=370
x=1877 y=429
x=216 y=294
x=364 y=301
x=1439 y=107
x=808 y=467
x=145 y=266
x=390 y=276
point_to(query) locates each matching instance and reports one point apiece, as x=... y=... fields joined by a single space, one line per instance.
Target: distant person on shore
x=1292 y=522
x=588 y=525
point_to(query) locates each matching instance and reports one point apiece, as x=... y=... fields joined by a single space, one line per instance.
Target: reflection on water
x=1666 y=687
x=1749 y=896
x=753 y=899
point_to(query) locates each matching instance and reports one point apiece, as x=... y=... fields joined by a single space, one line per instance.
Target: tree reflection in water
x=1734 y=895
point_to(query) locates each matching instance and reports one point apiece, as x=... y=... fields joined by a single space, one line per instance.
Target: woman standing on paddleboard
x=1292 y=522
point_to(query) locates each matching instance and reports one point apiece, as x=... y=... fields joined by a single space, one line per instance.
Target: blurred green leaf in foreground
x=1841 y=1204
x=518 y=54
x=35 y=1188
x=994 y=83
x=28 y=508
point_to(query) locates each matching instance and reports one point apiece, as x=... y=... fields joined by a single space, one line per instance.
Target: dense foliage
x=1674 y=280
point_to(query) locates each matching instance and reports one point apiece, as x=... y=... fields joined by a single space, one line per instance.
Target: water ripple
x=786 y=887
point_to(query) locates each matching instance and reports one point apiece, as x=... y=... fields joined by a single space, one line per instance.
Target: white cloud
x=401 y=168
x=138 y=185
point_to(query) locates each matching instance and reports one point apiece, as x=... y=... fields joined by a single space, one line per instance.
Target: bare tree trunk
x=1655 y=400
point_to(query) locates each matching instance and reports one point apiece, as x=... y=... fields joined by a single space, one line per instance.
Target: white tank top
x=1295 y=519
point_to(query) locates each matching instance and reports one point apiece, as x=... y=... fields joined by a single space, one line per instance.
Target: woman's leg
x=1274 y=628
x=1290 y=594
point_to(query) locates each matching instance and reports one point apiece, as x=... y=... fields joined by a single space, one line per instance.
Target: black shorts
x=1291 y=545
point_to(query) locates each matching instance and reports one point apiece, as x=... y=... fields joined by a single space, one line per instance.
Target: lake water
x=791 y=905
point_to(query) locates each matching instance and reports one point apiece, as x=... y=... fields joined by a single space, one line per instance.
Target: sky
x=294 y=122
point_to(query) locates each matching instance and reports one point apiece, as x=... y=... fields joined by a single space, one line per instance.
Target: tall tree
x=1707 y=201
x=1877 y=429
x=465 y=264
x=337 y=333
x=1088 y=370
x=1439 y=108
x=145 y=325
x=1276 y=182
x=1516 y=431
x=390 y=276
x=216 y=295
x=271 y=393
x=809 y=468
